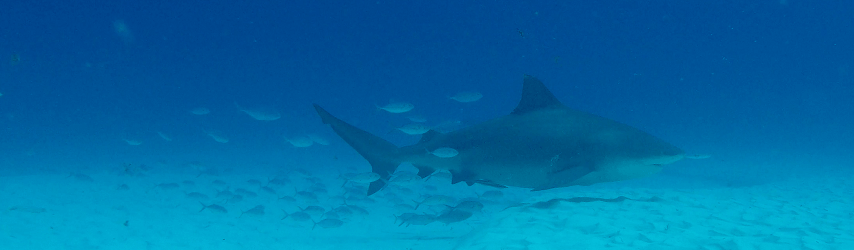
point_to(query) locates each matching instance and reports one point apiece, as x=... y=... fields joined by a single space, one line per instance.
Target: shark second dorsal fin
x=535 y=96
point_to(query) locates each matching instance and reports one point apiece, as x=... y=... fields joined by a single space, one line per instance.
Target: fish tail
x=381 y=154
x=203 y=207
x=286 y=214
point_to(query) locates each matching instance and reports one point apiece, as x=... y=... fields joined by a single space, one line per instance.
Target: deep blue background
x=762 y=85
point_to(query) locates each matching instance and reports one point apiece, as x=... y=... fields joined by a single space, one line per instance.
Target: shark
x=541 y=145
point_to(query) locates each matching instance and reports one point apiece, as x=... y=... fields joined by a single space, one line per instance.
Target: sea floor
x=160 y=211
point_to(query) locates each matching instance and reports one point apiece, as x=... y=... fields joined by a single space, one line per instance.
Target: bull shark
x=541 y=145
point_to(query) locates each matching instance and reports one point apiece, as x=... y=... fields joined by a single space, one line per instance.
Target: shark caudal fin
x=381 y=154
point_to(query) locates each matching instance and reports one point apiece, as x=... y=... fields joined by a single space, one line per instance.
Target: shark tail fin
x=381 y=154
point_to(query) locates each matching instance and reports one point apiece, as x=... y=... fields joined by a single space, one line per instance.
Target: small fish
x=254 y=182
x=367 y=177
x=328 y=223
x=255 y=211
x=313 y=210
x=14 y=61
x=407 y=191
x=358 y=210
x=436 y=200
x=453 y=216
x=405 y=178
x=297 y=216
x=197 y=196
x=343 y=211
x=28 y=209
x=397 y=107
x=246 y=193
x=414 y=129
x=164 y=136
x=268 y=190
x=213 y=208
x=211 y=171
x=469 y=206
x=235 y=199
x=279 y=181
x=444 y=152
x=132 y=142
x=317 y=139
x=492 y=195
x=416 y=118
x=303 y=172
x=414 y=219
x=200 y=111
x=288 y=199
x=466 y=96
x=224 y=194
x=261 y=114
x=306 y=197
x=217 y=136
x=331 y=215
x=313 y=179
x=300 y=141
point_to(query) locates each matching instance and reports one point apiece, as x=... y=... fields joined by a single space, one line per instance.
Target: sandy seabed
x=73 y=212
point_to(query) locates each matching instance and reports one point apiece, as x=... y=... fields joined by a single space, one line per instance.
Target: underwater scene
x=422 y=125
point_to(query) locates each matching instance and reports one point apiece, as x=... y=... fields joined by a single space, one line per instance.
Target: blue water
x=764 y=87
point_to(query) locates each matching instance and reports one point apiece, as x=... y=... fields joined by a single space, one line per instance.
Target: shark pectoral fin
x=458 y=176
x=571 y=173
x=559 y=177
x=490 y=183
x=423 y=172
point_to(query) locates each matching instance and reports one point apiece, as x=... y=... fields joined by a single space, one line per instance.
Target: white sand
x=815 y=215
x=59 y=212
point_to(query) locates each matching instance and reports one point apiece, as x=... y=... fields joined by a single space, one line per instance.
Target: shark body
x=541 y=145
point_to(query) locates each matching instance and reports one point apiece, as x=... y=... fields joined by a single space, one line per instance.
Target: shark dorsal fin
x=535 y=96
x=428 y=136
